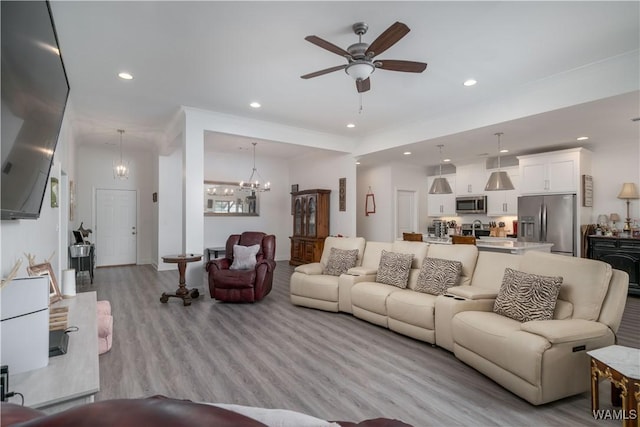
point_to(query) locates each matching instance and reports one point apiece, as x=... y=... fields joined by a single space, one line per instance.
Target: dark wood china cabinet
x=310 y=225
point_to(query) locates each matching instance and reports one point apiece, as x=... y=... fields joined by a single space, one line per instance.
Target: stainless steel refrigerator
x=550 y=219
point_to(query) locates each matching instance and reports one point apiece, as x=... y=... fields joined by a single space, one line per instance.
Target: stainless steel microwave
x=471 y=205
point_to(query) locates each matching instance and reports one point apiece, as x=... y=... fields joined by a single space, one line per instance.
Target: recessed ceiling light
x=582 y=138
x=407 y=153
x=357 y=163
x=446 y=160
x=504 y=150
x=351 y=125
x=125 y=76
x=470 y=82
x=255 y=105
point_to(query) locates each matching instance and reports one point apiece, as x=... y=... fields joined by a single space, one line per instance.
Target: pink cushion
x=103 y=307
x=105 y=333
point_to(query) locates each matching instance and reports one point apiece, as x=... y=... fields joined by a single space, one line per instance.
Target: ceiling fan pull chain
x=360 y=109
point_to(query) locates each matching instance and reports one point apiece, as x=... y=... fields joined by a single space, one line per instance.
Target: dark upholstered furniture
x=243 y=285
x=157 y=411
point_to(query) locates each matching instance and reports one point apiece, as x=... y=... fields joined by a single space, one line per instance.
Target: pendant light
x=256 y=182
x=120 y=168
x=499 y=181
x=440 y=185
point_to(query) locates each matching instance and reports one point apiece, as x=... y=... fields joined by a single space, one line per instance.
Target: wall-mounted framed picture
x=55 y=191
x=342 y=194
x=587 y=191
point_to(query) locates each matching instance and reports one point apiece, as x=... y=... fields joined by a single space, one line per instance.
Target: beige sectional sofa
x=540 y=361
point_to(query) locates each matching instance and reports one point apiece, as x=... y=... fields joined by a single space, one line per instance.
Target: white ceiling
x=220 y=56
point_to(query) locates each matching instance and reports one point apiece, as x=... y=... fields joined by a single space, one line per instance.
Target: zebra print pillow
x=340 y=260
x=437 y=275
x=394 y=268
x=525 y=297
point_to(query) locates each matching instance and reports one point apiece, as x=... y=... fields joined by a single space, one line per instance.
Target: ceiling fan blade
x=387 y=39
x=325 y=71
x=406 y=66
x=328 y=46
x=363 y=85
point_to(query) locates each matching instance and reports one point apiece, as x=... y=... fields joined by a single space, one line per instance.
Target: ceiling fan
x=360 y=56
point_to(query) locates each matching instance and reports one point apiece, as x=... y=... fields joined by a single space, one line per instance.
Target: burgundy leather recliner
x=243 y=285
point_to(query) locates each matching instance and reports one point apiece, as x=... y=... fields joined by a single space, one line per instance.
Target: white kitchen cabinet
x=555 y=172
x=441 y=204
x=502 y=203
x=470 y=179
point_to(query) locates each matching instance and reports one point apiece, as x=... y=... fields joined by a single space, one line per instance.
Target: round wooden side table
x=182 y=292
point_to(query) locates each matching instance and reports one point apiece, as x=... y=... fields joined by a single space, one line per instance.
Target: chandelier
x=255 y=182
x=120 y=168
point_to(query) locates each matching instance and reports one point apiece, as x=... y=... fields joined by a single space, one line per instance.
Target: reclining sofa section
x=540 y=361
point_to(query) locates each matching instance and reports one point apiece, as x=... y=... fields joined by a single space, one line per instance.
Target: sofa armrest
x=446 y=307
x=219 y=264
x=271 y=264
x=345 y=283
x=362 y=271
x=313 y=268
x=560 y=331
x=472 y=292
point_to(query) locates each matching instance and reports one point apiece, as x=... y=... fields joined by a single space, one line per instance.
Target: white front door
x=117 y=232
x=406 y=212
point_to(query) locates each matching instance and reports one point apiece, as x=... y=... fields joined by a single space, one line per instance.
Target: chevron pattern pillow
x=394 y=268
x=525 y=297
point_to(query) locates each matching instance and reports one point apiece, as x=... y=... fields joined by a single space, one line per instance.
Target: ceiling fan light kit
x=360 y=70
x=360 y=55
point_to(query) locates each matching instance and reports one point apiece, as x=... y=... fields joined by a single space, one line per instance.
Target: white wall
x=41 y=237
x=275 y=205
x=414 y=178
x=169 y=207
x=95 y=171
x=377 y=226
x=324 y=171
x=610 y=169
x=384 y=181
x=314 y=172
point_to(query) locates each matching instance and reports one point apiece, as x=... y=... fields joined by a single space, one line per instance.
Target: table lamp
x=614 y=217
x=629 y=192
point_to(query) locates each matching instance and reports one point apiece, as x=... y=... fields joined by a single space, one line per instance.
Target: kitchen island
x=499 y=245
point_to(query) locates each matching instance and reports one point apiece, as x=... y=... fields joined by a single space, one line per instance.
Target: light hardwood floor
x=277 y=355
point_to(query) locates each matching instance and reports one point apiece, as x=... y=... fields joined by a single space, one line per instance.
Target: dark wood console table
x=182 y=292
x=622 y=253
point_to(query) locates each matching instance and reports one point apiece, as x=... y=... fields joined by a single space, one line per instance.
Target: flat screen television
x=34 y=96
